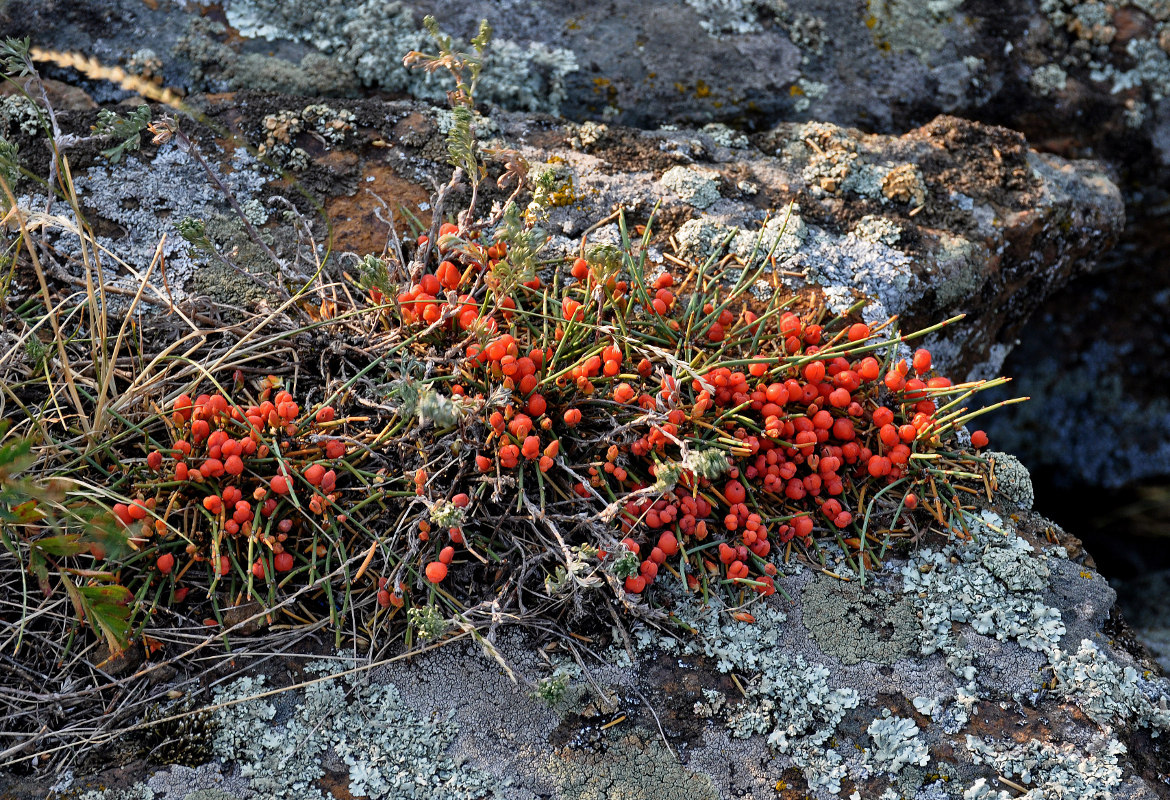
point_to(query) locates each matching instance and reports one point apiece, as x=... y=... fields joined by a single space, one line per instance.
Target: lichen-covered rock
x=1015 y=684
x=952 y=217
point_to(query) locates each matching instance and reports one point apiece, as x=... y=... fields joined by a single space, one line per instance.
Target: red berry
x=979 y=439
x=165 y=563
x=734 y=492
x=921 y=361
x=283 y=562
x=436 y=571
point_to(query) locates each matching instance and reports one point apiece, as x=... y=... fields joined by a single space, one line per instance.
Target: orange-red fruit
x=325 y=414
x=283 y=561
x=536 y=405
x=921 y=360
x=258 y=569
x=279 y=484
x=668 y=544
x=436 y=571
x=154 y=460
x=446 y=554
x=979 y=439
x=858 y=331
x=635 y=584
x=314 y=473
x=734 y=492
x=165 y=563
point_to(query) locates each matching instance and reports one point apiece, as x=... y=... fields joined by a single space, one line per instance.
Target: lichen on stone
x=1012 y=479
x=625 y=767
x=991 y=583
x=366 y=730
x=882 y=628
x=370 y=37
x=896 y=743
x=330 y=125
x=1052 y=769
x=692 y=186
x=1109 y=693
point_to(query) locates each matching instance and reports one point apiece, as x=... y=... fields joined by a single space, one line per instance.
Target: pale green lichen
x=1012 y=479
x=628 y=767
x=1109 y=693
x=882 y=628
x=699 y=189
x=388 y=750
x=991 y=584
x=913 y=26
x=896 y=743
x=878 y=230
x=370 y=36
x=1053 y=770
x=787 y=699
x=329 y=125
x=1049 y=78
x=19 y=114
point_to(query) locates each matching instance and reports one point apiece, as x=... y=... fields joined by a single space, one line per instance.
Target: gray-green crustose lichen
x=370 y=36
x=1012 y=479
x=692 y=186
x=882 y=628
x=365 y=730
x=625 y=767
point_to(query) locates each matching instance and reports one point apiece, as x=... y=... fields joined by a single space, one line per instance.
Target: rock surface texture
x=953 y=217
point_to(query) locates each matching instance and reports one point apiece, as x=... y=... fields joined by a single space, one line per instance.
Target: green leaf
x=66 y=544
x=126 y=129
x=461 y=144
x=106 y=608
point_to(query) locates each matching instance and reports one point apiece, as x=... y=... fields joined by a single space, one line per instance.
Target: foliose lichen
x=991 y=583
x=1053 y=770
x=1109 y=693
x=365 y=729
x=787 y=699
x=896 y=743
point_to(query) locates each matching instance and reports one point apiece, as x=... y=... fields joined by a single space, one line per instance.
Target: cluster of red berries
x=803 y=427
x=224 y=463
